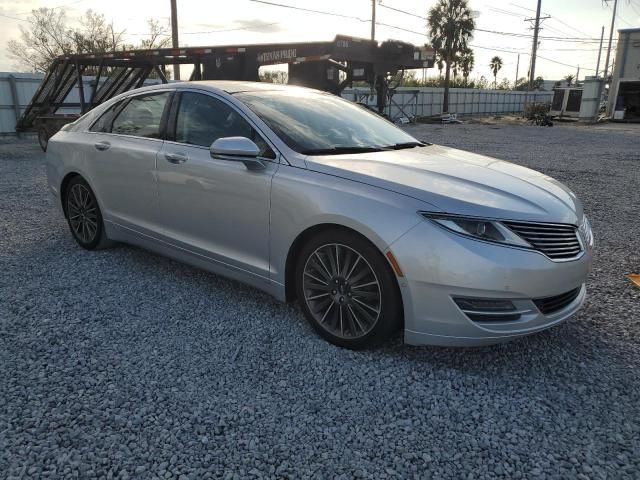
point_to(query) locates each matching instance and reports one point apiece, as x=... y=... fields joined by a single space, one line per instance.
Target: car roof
x=232 y=87
x=227 y=86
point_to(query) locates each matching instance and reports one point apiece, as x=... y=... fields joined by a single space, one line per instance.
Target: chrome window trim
x=127 y=98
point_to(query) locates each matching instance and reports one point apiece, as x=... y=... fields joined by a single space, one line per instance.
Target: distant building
x=624 y=92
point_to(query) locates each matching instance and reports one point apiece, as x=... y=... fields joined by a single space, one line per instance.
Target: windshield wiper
x=342 y=150
x=400 y=146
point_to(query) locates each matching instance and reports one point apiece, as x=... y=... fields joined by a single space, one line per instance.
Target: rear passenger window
x=142 y=116
x=103 y=124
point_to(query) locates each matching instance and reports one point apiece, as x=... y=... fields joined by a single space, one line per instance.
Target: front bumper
x=439 y=265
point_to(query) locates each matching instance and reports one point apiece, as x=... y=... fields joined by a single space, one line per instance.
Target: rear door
x=124 y=145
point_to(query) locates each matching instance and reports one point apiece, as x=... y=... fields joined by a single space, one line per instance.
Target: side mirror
x=237 y=149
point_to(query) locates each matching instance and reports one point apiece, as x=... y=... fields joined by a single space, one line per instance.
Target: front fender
x=301 y=199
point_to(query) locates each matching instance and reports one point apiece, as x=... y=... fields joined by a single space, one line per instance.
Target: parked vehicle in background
x=310 y=197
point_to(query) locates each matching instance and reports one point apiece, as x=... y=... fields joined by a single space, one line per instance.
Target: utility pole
x=517 y=71
x=600 y=51
x=174 y=37
x=373 y=19
x=534 y=48
x=613 y=22
x=577 y=75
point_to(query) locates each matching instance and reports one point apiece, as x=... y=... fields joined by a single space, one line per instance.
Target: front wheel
x=83 y=215
x=347 y=290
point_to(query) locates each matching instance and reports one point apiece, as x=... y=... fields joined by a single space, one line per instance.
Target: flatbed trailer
x=329 y=66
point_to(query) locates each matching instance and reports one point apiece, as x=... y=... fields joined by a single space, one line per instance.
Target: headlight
x=586 y=232
x=487 y=230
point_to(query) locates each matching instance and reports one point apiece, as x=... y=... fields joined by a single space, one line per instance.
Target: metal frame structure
x=329 y=66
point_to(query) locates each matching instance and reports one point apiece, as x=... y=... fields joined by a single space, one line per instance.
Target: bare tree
x=159 y=36
x=48 y=36
x=96 y=35
x=45 y=38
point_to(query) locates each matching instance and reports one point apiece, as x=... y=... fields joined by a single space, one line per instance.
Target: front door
x=215 y=208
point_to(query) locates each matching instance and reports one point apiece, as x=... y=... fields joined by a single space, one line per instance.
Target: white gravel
x=122 y=364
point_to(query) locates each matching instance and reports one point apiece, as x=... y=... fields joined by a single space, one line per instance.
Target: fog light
x=484 y=305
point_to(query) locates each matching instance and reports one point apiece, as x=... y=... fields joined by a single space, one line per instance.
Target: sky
x=574 y=27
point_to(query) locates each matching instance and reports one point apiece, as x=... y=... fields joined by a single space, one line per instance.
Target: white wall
x=414 y=101
x=26 y=86
x=427 y=101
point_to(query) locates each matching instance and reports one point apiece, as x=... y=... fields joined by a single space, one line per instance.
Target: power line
x=13 y=18
x=495 y=49
x=505 y=12
x=565 y=64
x=403 y=11
x=321 y=12
x=510 y=34
x=401 y=28
x=542 y=37
x=554 y=18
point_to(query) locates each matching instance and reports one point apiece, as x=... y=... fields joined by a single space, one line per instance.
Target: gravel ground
x=123 y=364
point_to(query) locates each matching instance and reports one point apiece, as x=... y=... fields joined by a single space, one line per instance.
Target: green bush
x=537 y=108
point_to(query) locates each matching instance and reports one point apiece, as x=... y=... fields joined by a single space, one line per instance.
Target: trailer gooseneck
x=329 y=66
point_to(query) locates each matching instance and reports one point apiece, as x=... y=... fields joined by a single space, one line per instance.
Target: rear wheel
x=347 y=290
x=83 y=215
x=43 y=138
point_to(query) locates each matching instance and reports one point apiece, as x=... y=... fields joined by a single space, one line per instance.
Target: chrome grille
x=556 y=241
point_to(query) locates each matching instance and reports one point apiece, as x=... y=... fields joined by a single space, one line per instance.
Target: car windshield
x=315 y=123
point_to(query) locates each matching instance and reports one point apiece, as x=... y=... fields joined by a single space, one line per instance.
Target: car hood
x=459 y=182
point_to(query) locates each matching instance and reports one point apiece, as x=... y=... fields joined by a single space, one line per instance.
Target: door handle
x=102 y=146
x=176 y=157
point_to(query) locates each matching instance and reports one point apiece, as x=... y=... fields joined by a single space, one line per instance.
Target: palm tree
x=467 y=62
x=439 y=63
x=569 y=78
x=495 y=65
x=455 y=67
x=451 y=24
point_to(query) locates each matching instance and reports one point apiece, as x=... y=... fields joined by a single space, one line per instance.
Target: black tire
x=350 y=324
x=43 y=138
x=84 y=216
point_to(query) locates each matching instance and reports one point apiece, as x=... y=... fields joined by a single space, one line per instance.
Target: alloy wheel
x=342 y=291
x=83 y=213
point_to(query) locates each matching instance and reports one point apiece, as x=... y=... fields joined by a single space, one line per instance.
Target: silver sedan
x=313 y=198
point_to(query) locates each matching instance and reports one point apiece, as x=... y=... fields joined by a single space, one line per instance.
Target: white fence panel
x=407 y=101
x=26 y=85
x=411 y=102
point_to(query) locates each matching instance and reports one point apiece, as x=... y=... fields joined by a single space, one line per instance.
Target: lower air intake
x=549 y=305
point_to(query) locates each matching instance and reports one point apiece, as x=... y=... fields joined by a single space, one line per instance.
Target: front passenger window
x=142 y=116
x=203 y=119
